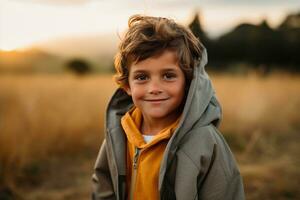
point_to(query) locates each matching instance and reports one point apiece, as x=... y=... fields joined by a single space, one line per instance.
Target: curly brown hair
x=150 y=36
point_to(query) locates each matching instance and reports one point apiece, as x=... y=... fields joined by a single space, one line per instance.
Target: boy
x=161 y=140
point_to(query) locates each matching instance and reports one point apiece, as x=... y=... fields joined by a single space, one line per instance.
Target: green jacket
x=197 y=163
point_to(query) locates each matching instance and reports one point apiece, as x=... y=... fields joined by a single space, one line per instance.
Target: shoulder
x=205 y=145
x=202 y=138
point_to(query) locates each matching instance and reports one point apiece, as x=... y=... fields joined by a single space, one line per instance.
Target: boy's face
x=157 y=85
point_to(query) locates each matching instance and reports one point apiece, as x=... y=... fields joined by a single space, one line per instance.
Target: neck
x=152 y=126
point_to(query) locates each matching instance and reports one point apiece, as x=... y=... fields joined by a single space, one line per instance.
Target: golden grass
x=44 y=117
x=253 y=103
x=261 y=122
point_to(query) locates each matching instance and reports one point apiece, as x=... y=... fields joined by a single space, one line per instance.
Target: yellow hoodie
x=143 y=159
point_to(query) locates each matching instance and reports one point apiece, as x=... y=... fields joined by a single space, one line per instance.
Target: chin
x=157 y=115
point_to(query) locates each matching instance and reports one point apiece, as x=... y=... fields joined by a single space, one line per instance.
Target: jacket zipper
x=134 y=172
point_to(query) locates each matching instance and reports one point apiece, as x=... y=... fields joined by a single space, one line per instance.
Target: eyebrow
x=146 y=71
x=169 y=70
x=139 y=71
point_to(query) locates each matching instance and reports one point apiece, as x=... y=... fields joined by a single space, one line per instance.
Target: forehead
x=166 y=60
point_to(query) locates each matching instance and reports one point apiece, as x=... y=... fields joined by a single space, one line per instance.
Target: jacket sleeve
x=222 y=180
x=101 y=179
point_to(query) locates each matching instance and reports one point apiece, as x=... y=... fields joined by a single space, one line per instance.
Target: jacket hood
x=201 y=106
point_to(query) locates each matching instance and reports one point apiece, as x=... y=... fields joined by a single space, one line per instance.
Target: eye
x=169 y=76
x=141 y=77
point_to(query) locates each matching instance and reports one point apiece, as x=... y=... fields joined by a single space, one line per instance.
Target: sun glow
x=26 y=23
x=23 y=24
x=7 y=48
x=15 y=45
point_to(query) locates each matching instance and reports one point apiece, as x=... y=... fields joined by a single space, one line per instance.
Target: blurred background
x=56 y=67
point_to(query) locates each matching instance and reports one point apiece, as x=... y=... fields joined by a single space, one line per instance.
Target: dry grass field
x=52 y=126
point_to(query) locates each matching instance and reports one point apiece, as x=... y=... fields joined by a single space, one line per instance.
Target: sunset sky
x=26 y=22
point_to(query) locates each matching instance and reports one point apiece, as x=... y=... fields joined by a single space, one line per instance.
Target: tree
x=78 y=66
x=292 y=21
x=197 y=30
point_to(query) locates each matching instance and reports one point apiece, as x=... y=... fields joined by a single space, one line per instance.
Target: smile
x=156 y=100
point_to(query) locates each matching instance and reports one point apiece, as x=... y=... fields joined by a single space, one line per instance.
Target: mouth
x=156 y=100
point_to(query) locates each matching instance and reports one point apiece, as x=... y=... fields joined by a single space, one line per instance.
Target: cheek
x=179 y=91
x=180 y=86
x=136 y=92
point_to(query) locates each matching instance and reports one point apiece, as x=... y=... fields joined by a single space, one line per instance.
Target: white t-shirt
x=148 y=138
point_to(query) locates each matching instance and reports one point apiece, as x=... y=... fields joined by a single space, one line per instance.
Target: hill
x=52 y=56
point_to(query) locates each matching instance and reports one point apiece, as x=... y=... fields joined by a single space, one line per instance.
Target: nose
x=154 y=87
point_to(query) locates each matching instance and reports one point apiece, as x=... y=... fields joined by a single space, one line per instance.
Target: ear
x=127 y=89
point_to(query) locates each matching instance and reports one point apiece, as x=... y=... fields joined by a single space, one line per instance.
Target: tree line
x=260 y=46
